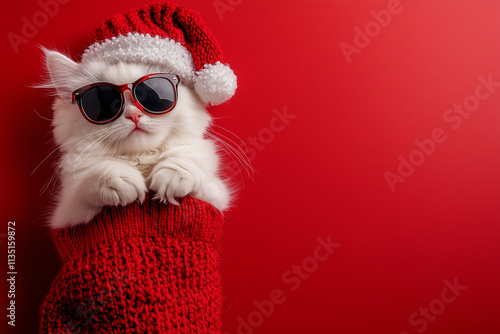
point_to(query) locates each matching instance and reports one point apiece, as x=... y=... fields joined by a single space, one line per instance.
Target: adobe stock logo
x=372 y=29
x=436 y=307
x=31 y=25
x=293 y=279
x=257 y=143
x=223 y=6
x=454 y=118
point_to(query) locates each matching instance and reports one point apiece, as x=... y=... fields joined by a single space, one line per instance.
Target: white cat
x=113 y=163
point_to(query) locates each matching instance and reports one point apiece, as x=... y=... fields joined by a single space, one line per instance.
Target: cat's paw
x=215 y=192
x=113 y=184
x=171 y=180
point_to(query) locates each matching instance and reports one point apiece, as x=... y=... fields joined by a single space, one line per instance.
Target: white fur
x=112 y=164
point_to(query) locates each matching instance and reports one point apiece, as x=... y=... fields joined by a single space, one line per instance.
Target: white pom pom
x=215 y=84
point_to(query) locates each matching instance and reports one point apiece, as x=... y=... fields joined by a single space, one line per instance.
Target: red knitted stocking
x=142 y=268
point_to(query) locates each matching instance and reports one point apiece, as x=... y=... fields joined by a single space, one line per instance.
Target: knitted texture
x=170 y=35
x=141 y=268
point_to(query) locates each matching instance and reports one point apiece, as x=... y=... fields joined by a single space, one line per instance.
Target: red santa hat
x=169 y=35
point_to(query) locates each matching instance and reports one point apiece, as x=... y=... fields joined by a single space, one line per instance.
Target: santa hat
x=169 y=35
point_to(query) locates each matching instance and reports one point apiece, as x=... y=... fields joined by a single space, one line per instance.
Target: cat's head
x=159 y=38
x=134 y=131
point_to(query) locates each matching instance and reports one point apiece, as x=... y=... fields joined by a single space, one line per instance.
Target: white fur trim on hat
x=215 y=84
x=143 y=48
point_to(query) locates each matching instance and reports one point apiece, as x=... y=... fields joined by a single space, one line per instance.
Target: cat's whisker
x=96 y=142
x=239 y=158
x=59 y=169
x=47 y=184
x=231 y=148
x=213 y=125
x=60 y=146
x=89 y=146
x=114 y=141
x=45 y=118
x=235 y=148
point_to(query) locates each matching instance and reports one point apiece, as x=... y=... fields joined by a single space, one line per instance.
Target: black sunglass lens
x=101 y=104
x=156 y=95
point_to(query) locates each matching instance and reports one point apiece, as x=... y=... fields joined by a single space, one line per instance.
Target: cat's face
x=134 y=131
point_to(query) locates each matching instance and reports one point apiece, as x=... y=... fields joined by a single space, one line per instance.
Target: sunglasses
x=103 y=102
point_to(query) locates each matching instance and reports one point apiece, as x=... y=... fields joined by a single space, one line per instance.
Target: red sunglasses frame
x=174 y=79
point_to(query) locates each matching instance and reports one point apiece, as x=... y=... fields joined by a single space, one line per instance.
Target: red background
x=323 y=174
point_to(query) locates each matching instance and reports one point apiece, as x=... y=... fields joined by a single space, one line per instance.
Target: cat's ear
x=60 y=69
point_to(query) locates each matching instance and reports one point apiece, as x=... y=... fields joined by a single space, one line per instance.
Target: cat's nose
x=134 y=117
